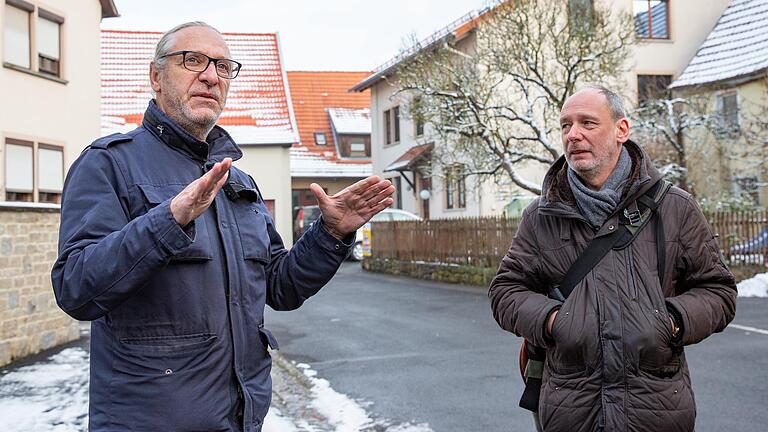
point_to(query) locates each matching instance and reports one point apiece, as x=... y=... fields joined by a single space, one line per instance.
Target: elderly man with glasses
x=171 y=253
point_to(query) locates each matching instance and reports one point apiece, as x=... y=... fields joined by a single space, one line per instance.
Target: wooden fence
x=742 y=235
x=482 y=242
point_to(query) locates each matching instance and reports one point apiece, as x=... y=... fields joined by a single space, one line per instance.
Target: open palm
x=346 y=211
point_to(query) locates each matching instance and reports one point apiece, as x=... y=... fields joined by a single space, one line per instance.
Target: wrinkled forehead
x=201 y=39
x=585 y=101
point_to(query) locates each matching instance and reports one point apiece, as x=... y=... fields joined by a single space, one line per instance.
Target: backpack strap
x=632 y=222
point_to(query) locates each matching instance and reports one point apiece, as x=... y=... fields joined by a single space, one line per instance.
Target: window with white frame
x=19 y=170
x=16 y=33
x=48 y=42
x=50 y=169
x=40 y=54
x=33 y=171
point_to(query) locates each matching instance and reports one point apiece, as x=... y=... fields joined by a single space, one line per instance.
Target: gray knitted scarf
x=596 y=206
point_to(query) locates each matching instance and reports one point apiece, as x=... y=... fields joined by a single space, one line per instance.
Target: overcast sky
x=351 y=35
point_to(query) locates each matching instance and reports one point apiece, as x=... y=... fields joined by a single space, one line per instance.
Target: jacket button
x=610 y=228
x=168 y=371
x=337 y=247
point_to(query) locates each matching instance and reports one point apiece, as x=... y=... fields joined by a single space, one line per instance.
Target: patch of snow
x=346 y=414
x=50 y=396
x=754 y=287
x=275 y=422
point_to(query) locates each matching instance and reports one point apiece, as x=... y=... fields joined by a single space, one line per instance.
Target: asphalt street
x=425 y=352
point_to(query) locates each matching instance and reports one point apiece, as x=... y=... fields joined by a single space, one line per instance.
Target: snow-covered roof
x=457 y=29
x=306 y=163
x=350 y=121
x=408 y=160
x=736 y=48
x=258 y=109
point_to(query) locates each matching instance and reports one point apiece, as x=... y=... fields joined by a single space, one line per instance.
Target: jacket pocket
x=268 y=338
x=174 y=343
x=168 y=380
x=254 y=236
x=200 y=249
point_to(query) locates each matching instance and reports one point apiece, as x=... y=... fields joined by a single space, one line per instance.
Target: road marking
x=750 y=329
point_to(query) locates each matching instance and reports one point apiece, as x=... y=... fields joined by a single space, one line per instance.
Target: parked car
x=363 y=239
x=754 y=250
x=304 y=216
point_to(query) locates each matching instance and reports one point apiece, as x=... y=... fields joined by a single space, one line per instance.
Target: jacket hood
x=217 y=146
x=556 y=191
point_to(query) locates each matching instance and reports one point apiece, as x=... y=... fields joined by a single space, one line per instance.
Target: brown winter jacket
x=611 y=362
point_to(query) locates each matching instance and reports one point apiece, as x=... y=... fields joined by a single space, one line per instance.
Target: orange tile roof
x=312 y=93
x=257 y=110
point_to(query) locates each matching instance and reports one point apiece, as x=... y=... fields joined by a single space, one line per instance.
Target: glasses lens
x=227 y=68
x=195 y=62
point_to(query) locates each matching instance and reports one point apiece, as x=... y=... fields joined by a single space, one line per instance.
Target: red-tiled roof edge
x=287 y=90
x=131 y=31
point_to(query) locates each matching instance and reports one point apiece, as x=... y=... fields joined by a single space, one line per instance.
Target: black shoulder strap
x=619 y=239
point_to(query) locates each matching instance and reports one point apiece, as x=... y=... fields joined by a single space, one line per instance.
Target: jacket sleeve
x=297 y=274
x=104 y=257
x=517 y=293
x=707 y=291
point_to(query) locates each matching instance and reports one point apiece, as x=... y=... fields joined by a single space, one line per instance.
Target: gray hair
x=613 y=101
x=166 y=41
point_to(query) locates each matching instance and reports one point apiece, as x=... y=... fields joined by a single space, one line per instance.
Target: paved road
x=425 y=352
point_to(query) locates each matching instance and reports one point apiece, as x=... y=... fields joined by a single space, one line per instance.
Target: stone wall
x=30 y=320
x=451 y=273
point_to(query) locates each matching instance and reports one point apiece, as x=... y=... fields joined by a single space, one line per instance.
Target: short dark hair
x=612 y=100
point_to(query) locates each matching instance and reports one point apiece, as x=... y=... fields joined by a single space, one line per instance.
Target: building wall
x=50 y=111
x=690 y=23
x=715 y=169
x=270 y=167
x=30 y=320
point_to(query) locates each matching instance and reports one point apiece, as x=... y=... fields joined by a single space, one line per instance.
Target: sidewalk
x=49 y=393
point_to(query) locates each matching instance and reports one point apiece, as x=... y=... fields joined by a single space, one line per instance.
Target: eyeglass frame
x=215 y=62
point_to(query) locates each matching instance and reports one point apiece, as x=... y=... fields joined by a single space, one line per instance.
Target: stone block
x=13 y=300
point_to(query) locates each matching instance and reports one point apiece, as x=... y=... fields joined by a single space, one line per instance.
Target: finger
x=214 y=177
x=360 y=186
x=379 y=197
x=376 y=208
x=319 y=193
x=375 y=189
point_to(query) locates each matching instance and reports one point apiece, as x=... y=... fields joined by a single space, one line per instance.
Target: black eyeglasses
x=197 y=62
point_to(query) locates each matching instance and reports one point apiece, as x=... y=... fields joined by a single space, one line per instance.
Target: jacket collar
x=217 y=146
x=557 y=194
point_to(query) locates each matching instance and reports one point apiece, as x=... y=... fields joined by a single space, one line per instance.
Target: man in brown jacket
x=615 y=359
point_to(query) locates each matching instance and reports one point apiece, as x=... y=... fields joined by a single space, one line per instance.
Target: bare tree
x=495 y=106
x=674 y=128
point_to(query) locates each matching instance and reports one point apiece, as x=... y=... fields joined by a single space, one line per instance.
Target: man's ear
x=154 y=77
x=622 y=130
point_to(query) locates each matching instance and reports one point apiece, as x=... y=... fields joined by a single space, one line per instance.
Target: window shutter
x=18 y=168
x=50 y=166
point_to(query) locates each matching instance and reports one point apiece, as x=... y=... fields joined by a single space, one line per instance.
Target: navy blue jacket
x=177 y=340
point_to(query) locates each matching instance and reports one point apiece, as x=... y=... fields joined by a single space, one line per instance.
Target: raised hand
x=198 y=195
x=348 y=210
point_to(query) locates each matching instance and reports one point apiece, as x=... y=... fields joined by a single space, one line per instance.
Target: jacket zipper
x=630 y=267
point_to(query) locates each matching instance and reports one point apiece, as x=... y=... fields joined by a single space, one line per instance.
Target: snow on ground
x=345 y=414
x=754 y=287
x=49 y=396
x=52 y=396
